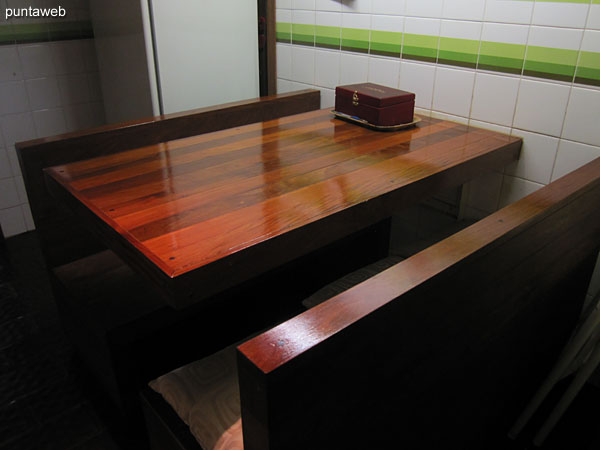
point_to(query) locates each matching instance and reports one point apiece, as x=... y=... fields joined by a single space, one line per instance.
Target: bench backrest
x=439 y=351
x=61 y=241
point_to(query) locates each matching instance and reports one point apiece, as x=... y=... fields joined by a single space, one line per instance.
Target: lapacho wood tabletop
x=200 y=214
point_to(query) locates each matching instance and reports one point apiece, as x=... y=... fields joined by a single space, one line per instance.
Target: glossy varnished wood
x=61 y=241
x=260 y=195
x=439 y=351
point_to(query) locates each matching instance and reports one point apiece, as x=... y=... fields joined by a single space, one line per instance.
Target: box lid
x=374 y=94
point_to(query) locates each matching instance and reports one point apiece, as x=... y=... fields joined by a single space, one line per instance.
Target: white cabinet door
x=206 y=52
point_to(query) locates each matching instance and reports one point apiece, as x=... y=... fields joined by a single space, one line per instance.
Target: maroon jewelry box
x=378 y=105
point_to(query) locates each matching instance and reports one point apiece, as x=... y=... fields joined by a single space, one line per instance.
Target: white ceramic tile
x=361 y=21
x=387 y=23
x=68 y=57
x=327 y=68
x=284 y=4
x=449 y=117
x=284 y=61
x=453 y=90
x=560 y=14
x=5 y=170
x=541 y=107
x=10 y=66
x=21 y=191
x=78 y=117
x=283 y=86
x=90 y=59
x=505 y=33
x=489 y=126
x=303 y=4
x=555 y=37
x=508 y=11
x=14 y=97
x=428 y=27
x=582 y=123
x=483 y=193
x=283 y=15
x=17 y=128
x=593 y=21
x=330 y=19
x=327 y=98
x=303 y=64
x=12 y=221
x=353 y=68
x=98 y=113
x=9 y=195
x=591 y=41
x=304 y=17
x=424 y=8
x=36 y=60
x=301 y=86
x=357 y=6
x=384 y=71
x=423 y=112
x=418 y=78
x=460 y=29
x=95 y=86
x=29 y=223
x=49 y=122
x=537 y=157
x=328 y=5
x=14 y=161
x=514 y=189
x=463 y=9
x=572 y=155
x=494 y=98
x=389 y=7
x=43 y=93
x=74 y=88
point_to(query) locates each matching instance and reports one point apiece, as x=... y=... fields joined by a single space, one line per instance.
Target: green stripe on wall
x=355 y=39
x=501 y=57
x=588 y=70
x=552 y=63
x=328 y=37
x=461 y=52
x=420 y=47
x=283 y=32
x=387 y=43
x=541 y=62
x=565 y=1
x=303 y=34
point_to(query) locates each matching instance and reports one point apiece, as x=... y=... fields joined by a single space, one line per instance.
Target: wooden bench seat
x=438 y=351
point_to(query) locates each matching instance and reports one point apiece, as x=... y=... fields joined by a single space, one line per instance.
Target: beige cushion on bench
x=205 y=395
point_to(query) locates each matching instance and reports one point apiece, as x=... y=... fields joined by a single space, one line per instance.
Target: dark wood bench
x=119 y=327
x=441 y=350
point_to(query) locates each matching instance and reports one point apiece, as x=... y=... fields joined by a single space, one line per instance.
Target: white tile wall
x=453 y=91
x=572 y=155
x=541 y=107
x=558 y=120
x=418 y=78
x=494 y=98
x=45 y=89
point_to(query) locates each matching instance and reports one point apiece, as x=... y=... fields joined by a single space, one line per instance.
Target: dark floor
x=47 y=402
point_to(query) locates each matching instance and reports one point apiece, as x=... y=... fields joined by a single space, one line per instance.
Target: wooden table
x=201 y=214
